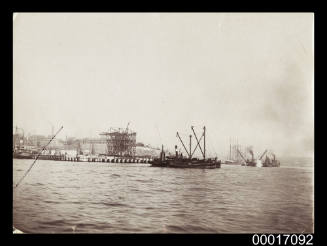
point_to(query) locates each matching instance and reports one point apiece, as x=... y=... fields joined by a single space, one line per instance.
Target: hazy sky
x=247 y=76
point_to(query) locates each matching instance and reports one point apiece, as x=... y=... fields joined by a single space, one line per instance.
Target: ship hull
x=254 y=163
x=23 y=156
x=273 y=164
x=186 y=164
x=197 y=166
x=251 y=164
x=158 y=163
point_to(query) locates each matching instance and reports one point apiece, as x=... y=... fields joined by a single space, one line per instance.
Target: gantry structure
x=120 y=141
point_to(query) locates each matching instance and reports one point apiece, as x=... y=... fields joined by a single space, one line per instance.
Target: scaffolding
x=120 y=142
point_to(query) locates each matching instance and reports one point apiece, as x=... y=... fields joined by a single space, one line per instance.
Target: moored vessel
x=23 y=155
x=178 y=161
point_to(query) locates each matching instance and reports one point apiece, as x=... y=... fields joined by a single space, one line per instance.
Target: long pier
x=108 y=159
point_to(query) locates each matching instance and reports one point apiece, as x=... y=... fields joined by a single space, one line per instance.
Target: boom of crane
x=263 y=154
x=241 y=155
x=190 y=153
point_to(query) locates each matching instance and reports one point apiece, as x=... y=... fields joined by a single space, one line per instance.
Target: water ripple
x=60 y=197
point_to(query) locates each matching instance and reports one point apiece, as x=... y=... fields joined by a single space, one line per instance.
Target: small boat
x=271 y=162
x=23 y=155
x=253 y=163
x=162 y=161
x=259 y=163
x=83 y=158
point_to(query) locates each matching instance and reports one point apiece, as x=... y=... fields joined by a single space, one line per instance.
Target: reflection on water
x=68 y=197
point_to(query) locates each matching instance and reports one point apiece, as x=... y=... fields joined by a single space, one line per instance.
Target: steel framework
x=120 y=142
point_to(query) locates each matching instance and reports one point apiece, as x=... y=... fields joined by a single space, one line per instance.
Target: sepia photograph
x=163 y=123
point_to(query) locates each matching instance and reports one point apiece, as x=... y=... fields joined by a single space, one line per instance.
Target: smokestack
x=250 y=151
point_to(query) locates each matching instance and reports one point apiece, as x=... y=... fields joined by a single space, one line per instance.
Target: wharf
x=110 y=159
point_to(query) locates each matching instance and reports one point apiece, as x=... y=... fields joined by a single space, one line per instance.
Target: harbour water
x=70 y=197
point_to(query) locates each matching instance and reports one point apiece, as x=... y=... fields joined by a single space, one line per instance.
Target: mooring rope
x=37 y=158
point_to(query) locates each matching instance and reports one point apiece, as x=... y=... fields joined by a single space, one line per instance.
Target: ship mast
x=198 y=141
x=182 y=143
x=230 y=148
x=204 y=139
x=190 y=154
x=237 y=154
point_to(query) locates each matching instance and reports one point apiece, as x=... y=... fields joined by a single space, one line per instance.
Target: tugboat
x=271 y=162
x=178 y=161
x=22 y=153
x=252 y=162
x=161 y=161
